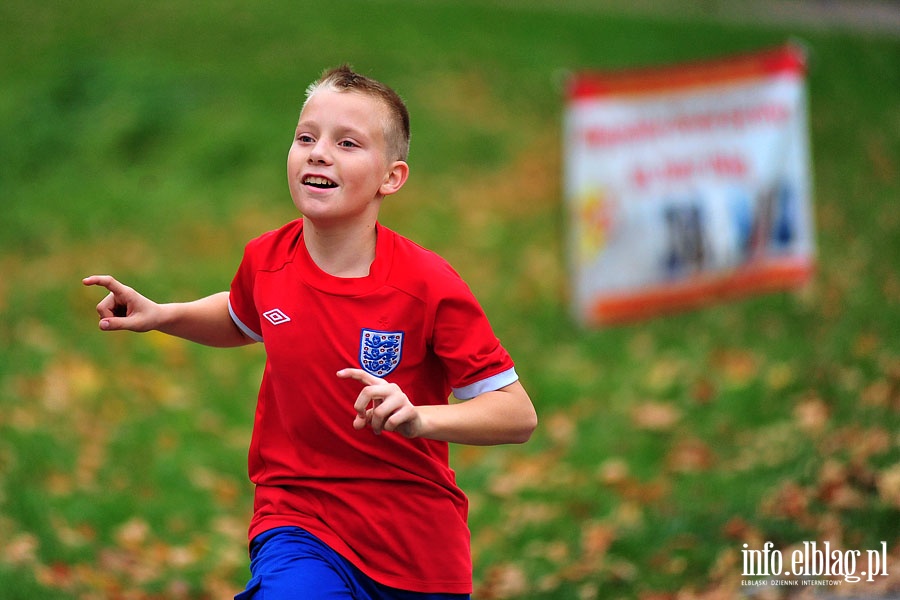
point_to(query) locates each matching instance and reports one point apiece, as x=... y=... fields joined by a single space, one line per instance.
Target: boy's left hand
x=383 y=406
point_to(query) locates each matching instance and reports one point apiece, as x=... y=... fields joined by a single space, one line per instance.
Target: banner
x=687 y=184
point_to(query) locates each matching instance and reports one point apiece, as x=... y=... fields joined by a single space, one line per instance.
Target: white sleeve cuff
x=247 y=331
x=491 y=384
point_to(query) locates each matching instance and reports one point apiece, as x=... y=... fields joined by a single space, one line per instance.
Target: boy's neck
x=341 y=252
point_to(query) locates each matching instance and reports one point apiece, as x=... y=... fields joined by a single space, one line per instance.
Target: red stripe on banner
x=768 y=276
x=788 y=59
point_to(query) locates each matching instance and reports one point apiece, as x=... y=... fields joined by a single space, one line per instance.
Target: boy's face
x=338 y=169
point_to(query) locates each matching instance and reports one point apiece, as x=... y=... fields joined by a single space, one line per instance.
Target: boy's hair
x=396 y=130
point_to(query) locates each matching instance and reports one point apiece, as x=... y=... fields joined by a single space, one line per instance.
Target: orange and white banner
x=686 y=184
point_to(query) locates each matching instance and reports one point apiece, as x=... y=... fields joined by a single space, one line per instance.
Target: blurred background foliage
x=149 y=141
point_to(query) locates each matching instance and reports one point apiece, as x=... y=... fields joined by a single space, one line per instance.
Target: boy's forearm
x=204 y=321
x=505 y=416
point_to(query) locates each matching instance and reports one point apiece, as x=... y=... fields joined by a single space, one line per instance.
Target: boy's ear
x=395 y=178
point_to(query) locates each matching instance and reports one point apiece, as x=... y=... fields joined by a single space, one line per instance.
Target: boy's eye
x=306 y=139
x=347 y=144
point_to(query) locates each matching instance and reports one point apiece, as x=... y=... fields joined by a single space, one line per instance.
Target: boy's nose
x=317 y=154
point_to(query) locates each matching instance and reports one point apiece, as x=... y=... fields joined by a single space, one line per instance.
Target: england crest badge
x=379 y=351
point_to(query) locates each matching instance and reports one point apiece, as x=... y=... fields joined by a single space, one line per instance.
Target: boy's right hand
x=123 y=308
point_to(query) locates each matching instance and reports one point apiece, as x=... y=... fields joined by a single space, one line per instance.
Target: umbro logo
x=276 y=317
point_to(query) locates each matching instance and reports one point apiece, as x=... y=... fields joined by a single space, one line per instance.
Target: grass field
x=149 y=141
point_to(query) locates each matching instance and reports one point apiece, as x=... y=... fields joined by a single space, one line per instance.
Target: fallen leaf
x=133 y=533
x=738 y=367
x=788 y=501
x=655 y=416
x=738 y=528
x=703 y=391
x=504 y=581
x=529 y=472
x=888 y=482
x=835 y=488
x=613 y=471
x=876 y=394
x=555 y=551
x=529 y=513
x=811 y=415
x=561 y=428
x=690 y=456
x=20 y=550
x=664 y=373
x=596 y=538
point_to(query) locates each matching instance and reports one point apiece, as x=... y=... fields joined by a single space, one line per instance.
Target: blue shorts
x=287 y=563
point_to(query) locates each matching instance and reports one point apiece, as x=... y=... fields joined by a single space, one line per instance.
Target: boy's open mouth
x=319 y=182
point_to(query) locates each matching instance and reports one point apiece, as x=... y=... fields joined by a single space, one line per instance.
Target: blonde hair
x=396 y=129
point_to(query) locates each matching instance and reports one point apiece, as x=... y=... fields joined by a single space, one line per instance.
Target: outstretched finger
x=364 y=377
x=107 y=281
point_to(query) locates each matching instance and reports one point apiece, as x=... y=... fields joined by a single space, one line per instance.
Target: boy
x=366 y=336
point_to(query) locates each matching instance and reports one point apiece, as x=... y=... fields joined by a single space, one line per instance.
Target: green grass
x=149 y=142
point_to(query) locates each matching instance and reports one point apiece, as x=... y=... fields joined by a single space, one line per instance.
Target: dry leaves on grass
x=86 y=414
x=138 y=562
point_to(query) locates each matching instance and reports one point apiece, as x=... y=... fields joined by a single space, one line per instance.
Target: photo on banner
x=687 y=184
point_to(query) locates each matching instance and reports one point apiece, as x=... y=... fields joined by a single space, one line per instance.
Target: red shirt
x=389 y=505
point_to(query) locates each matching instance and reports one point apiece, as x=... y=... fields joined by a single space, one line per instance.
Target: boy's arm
x=205 y=321
x=504 y=416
